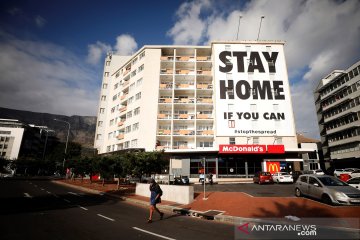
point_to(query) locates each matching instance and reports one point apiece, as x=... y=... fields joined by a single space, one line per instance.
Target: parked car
x=182 y=180
x=262 y=177
x=317 y=172
x=328 y=189
x=282 y=177
x=354 y=182
x=337 y=172
x=355 y=173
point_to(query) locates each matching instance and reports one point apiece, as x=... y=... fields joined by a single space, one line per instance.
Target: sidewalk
x=232 y=207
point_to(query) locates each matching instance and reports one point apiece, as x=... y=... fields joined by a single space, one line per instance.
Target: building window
x=111 y=122
x=132 y=86
x=127 y=143
x=206 y=144
x=108 y=148
x=142 y=55
x=138 y=96
x=128 y=129
x=106 y=74
x=139 y=82
x=134 y=143
x=107 y=63
x=100 y=123
x=232 y=140
x=129 y=114
x=255 y=140
x=102 y=110
x=103 y=98
x=98 y=137
x=133 y=73
x=130 y=100
x=135 y=126
x=134 y=61
x=136 y=111
x=141 y=68
x=104 y=86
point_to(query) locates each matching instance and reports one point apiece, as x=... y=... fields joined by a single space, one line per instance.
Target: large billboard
x=252 y=90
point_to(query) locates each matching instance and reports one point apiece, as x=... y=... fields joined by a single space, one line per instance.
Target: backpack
x=159 y=191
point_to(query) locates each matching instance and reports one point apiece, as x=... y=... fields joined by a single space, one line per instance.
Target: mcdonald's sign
x=273 y=167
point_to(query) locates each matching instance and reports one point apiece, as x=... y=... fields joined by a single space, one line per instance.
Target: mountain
x=82 y=128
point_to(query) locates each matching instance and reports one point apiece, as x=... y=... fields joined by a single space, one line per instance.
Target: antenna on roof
x=237 y=35
x=260 y=27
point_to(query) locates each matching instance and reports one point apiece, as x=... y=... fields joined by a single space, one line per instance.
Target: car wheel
x=326 y=199
x=259 y=182
x=277 y=181
x=298 y=192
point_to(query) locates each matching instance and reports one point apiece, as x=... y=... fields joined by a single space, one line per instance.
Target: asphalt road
x=34 y=209
x=256 y=190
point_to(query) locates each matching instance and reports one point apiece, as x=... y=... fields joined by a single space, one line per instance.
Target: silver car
x=328 y=189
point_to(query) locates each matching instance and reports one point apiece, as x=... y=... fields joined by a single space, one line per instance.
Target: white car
x=355 y=174
x=354 y=182
x=337 y=172
x=317 y=172
x=282 y=177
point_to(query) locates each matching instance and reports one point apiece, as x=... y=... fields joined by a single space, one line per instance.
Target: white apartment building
x=228 y=103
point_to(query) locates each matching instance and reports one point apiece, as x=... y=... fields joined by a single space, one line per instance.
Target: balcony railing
x=166 y=86
x=184 y=72
x=166 y=71
x=120 y=136
x=203 y=58
x=164 y=116
x=203 y=116
x=184 y=116
x=184 y=100
x=184 y=132
x=184 y=86
x=121 y=123
x=204 y=100
x=123 y=109
x=204 y=132
x=165 y=100
x=185 y=58
x=204 y=86
x=164 y=132
x=203 y=72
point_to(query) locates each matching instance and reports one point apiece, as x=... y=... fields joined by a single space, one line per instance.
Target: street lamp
x=262 y=17
x=67 y=138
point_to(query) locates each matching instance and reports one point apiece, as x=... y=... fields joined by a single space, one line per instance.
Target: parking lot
x=256 y=190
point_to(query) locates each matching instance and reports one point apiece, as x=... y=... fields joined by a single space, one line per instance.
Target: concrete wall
x=173 y=193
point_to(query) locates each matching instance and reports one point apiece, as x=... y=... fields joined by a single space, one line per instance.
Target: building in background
x=337 y=102
x=227 y=104
x=311 y=160
x=27 y=141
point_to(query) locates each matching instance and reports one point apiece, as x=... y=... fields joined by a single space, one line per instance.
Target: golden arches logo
x=273 y=167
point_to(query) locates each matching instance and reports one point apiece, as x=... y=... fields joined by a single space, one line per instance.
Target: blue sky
x=52 y=51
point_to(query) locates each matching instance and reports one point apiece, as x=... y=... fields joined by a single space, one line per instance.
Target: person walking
x=155 y=198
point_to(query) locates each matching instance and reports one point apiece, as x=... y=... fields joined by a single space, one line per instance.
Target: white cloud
x=125 y=45
x=190 y=28
x=40 y=21
x=96 y=52
x=44 y=77
x=320 y=36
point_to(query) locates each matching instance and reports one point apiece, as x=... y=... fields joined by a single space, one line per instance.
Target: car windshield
x=283 y=173
x=318 y=170
x=329 y=181
x=266 y=174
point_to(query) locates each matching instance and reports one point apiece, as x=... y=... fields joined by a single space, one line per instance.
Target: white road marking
x=48 y=192
x=42 y=189
x=106 y=217
x=158 y=235
x=67 y=200
x=27 y=195
x=82 y=208
x=74 y=194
